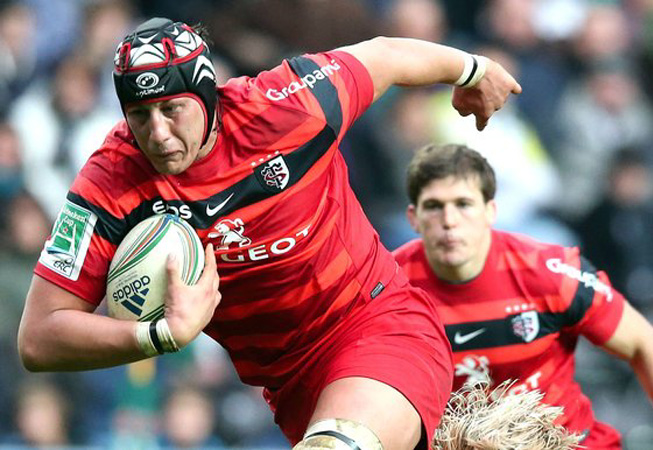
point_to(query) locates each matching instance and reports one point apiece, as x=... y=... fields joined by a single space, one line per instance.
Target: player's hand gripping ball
x=137 y=279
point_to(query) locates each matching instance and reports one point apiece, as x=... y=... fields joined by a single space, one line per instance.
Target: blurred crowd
x=573 y=156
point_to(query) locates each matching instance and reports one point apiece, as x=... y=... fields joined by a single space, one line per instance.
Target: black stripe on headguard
x=163 y=59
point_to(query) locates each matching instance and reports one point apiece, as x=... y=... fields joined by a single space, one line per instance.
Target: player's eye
x=171 y=108
x=432 y=205
x=137 y=115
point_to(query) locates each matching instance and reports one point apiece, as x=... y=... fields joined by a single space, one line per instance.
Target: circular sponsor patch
x=147 y=80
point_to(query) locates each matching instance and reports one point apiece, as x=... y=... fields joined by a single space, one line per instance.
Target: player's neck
x=210 y=143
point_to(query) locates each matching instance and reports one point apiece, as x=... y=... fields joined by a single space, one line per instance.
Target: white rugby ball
x=137 y=280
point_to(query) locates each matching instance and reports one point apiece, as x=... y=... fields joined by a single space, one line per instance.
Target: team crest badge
x=273 y=174
x=526 y=325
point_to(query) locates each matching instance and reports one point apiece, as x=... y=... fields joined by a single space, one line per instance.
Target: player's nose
x=449 y=216
x=159 y=128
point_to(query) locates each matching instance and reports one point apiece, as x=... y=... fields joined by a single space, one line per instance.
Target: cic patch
x=65 y=251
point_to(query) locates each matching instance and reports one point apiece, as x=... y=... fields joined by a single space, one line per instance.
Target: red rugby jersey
x=294 y=247
x=521 y=318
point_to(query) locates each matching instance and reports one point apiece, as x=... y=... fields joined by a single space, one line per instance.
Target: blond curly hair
x=478 y=418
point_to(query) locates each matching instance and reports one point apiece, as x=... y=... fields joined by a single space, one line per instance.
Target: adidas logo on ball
x=133 y=295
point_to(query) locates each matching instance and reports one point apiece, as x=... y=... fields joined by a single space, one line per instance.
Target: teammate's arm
x=633 y=341
x=412 y=62
x=60 y=332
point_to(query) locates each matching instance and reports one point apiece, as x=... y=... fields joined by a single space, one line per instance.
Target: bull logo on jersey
x=230 y=232
x=273 y=174
x=526 y=325
x=475 y=368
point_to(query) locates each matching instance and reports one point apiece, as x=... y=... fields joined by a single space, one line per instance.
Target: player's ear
x=491 y=211
x=411 y=214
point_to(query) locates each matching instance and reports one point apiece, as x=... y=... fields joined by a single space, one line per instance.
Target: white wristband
x=155 y=338
x=165 y=336
x=473 y=71
x=144 y=340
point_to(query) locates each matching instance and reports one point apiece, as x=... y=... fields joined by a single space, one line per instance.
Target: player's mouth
x=450 y=243
x=165 y=154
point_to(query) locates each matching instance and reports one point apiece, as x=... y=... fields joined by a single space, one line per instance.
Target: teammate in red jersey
x=513 y=308
x=310 y=305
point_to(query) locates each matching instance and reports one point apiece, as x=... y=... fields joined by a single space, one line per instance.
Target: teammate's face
x=455 y=223
x=169 y=133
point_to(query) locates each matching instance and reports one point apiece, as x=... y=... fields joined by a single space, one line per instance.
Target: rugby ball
x=137 y=280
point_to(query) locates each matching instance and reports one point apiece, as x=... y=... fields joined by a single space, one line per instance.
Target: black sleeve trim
x=323 y=90
x=108 y=226
x=583 y=298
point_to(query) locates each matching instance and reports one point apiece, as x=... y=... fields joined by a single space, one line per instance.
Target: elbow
x=384 y=43
x=30 y=360
x=32 y=365
x=30 y=354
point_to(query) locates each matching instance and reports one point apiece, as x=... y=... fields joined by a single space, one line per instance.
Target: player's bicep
x=374 y=55
x=632 y=334
x=43 y=299
x=596 y=307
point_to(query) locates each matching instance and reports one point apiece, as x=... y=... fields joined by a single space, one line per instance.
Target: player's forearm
x=69 y=340
x=421 y=63
x=633 y=342
x=642 y=364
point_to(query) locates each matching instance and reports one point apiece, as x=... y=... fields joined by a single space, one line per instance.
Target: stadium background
x=573 y=156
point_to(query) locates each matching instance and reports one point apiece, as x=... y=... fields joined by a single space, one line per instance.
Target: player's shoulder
x=275 y=93
x=118 y=143
x=292 y=78
x=408 y=251
x=117 y=161
x=531 y=255
x=527 y=245
x=235 y=90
